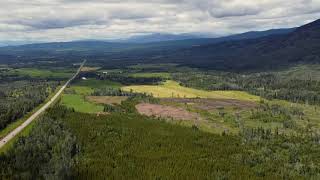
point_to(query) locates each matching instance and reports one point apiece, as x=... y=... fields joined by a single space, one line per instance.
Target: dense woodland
x=267 y=85
x=107 y=147
x=128 y=80
x=48 y=152
x=20 y=97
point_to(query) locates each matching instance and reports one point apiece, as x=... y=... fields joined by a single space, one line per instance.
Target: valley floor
x=145 y=123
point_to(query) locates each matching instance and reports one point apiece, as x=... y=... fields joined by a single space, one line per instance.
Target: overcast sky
x=64 y=20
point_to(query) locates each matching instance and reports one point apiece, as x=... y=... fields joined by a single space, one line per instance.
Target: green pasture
x=43 y=73
x=78 y=103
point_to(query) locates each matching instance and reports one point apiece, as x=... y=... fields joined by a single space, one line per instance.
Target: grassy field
x=79 y=104
x=82 y=90
x=173 y=89
x=87 y=87
x=42 y=73
x=150 y=75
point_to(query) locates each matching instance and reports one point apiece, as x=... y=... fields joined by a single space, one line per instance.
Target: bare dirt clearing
x=106 y=99
x=210 y=104
x=166 y=112
x=89 y=69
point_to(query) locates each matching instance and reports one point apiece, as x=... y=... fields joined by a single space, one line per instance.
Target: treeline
x=267 y=85
x=48 y=152
x=19 y=98
x=110 y=91
x=129 y=80
x=286 y=157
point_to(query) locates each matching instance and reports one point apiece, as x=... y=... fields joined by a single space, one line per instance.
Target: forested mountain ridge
x=302 y=45
x=122 y=50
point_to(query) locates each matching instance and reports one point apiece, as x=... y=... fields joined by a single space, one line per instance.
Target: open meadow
x=172 y=89
x=43 y=73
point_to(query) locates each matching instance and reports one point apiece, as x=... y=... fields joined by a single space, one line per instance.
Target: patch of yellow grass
x=173 y=89
x=89 y=69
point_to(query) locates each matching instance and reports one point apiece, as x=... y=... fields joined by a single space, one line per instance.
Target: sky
x=65 y=20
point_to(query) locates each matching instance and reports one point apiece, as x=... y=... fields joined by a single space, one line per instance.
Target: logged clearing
x=172 y=89
x=89 y=69
x=106 y=99
x=166 y=112
x=210 y=104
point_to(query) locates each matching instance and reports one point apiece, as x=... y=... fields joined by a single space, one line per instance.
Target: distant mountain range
x=161 y=37
x=300 y=46
x=164 y=37
x=247 y=51
x=148 y=44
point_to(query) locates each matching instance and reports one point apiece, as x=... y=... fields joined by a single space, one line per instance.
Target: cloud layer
x=64 y=20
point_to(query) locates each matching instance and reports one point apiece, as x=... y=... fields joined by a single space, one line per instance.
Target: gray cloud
x=63 y=20
x=56 y=23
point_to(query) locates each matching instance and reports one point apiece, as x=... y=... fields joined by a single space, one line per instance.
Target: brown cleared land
x=106 y=99
x=89 y=69
x=210 y=104
x=166 y=112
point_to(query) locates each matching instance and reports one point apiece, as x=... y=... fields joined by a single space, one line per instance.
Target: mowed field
x=78 y=103
x=43 y=73
x=78 y=96
x=172 y=89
